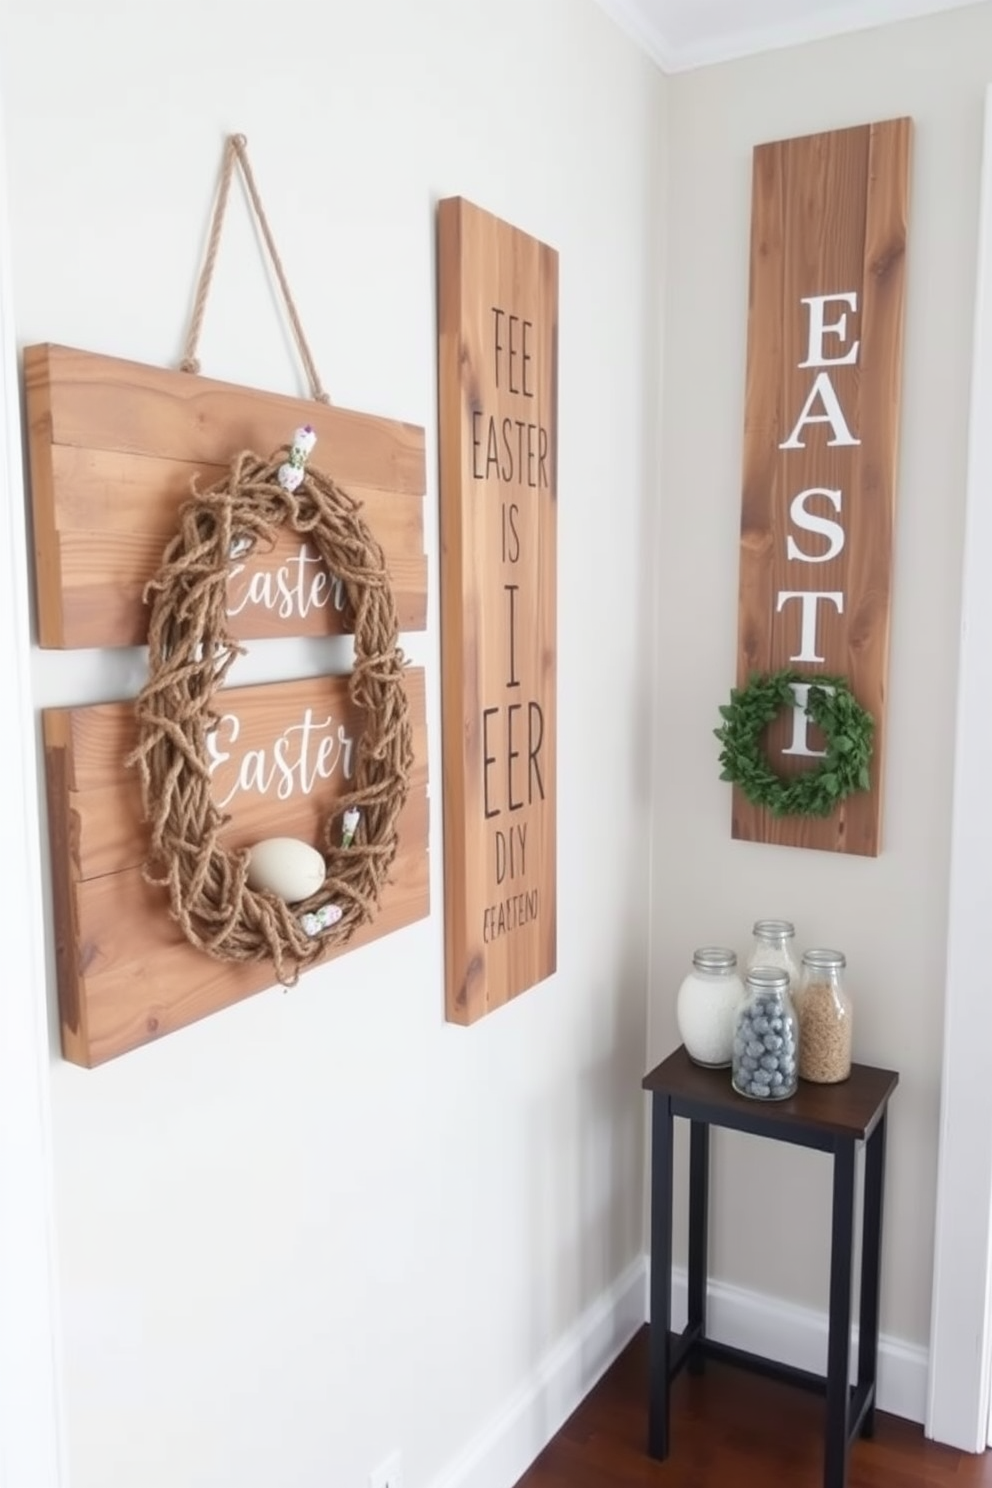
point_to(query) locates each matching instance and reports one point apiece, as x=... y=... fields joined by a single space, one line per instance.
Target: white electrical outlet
x=388 y=1474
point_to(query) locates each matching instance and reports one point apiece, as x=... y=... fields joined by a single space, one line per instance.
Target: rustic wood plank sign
x=114 y=447
x=280 y=757
x=498 y=376
x=821 y=429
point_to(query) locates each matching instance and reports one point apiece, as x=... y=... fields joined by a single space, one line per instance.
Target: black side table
x=830 y=1118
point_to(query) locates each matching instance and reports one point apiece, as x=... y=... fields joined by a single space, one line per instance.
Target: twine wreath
x=189 y=652
x=847 y=729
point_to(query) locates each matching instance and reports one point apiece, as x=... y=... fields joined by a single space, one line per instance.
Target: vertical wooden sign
x=825 y=334
x=498 y=389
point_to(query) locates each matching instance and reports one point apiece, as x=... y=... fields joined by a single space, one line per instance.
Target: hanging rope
x=236 y=153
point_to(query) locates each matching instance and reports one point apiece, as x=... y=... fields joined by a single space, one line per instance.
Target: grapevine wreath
x=189 y=652
x=847 y=728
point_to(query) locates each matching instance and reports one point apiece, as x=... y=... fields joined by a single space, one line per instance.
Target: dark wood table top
x=849 y=1109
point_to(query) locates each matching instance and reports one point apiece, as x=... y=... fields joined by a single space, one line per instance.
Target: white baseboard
x=505 y=1448
x=798 y=1336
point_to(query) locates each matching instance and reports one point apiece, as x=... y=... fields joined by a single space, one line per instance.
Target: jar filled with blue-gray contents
x=766 y=1037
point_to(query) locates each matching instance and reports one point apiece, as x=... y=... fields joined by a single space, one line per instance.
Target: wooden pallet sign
x=114 y=447
x=821 y=431
x=280 y=758
x=114 y=450
x=498 y=387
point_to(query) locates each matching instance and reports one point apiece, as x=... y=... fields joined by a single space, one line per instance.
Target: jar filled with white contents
x=766 y=1037
x=823 y=1008
x=773 y=945
x=707 y=1006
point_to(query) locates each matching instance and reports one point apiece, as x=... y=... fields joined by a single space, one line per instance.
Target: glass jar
x=823 y=1008
x=707 y=1006
x=766 y=1037
x=772 y=946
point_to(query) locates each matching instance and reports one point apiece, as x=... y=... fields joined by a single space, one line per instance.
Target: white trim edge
x=505 y=1447
x=857 y=15
x=798 y=1336
x=630 y=17
x=729 y=46
x=960 y=1333
x=31 y=1439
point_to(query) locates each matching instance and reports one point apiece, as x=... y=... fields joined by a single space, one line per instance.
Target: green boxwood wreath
x=847 y=727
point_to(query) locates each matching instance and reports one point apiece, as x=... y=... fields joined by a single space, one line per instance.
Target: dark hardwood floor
x=733 y=1429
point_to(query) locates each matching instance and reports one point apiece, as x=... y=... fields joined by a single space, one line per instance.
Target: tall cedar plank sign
x=114 y=447
x=825 y=332
x=498 y=345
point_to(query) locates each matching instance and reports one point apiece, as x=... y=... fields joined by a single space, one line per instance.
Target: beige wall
x=325 y=1225
x=888 y=914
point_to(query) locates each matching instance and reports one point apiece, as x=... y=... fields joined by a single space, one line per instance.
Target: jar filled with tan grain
x=823 y=1008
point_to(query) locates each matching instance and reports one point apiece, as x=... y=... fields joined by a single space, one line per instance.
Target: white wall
x=325 y=1225
x=30 y=1434
x=888 y=914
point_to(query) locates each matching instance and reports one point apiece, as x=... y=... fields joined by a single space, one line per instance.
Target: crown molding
x=629 y=16
x=707 y=50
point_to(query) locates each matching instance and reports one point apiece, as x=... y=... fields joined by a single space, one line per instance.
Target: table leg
x=839 y=1342
x=661 y=1274
x=699 y=1175
x=871 y=1259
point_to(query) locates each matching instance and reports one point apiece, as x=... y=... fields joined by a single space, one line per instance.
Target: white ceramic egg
x=287 y=867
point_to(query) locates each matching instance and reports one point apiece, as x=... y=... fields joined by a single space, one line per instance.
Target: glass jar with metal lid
x=824 y=1010
x=707 y=1006
x=766 y=1037
x=773 y=946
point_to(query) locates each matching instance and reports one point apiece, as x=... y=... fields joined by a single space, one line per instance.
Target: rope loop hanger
x=212 y=898
x=236 y=154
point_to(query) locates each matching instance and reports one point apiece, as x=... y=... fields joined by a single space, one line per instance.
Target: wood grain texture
x=126 y=974
x=498 y=374
x=828 y=217
x=849 y=1108
x=114 y=447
